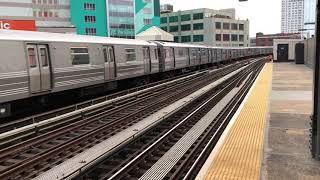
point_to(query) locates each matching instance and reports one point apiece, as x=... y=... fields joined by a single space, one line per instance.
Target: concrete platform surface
x=286 y=152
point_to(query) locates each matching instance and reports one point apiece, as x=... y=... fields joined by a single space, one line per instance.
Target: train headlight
x=2 y=110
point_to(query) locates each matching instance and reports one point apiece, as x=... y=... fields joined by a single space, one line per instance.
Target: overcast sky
x=264 y=15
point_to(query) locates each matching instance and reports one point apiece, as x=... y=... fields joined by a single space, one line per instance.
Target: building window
x=197 y=38
x=226 y=37
x=176 y=39
x=185 y=39
x=90 y=19
x=79 y=56
x=198 y=26
x=89 y=6
x=226 y=25
x=241 y=27
x=174 y=28
x=197 y=16
x=234 y=37
x=165 y=28
x=173 y=19
x=130 y=54
x=186 y=17
x=147 y=11
x=147 y=21
x=234 y=26
x=91 y=31
x=241 y=38
x=164 y=20
x=218 y=37
x=186 y=27
x=218 y=25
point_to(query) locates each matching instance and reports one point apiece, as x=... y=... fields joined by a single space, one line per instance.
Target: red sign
x=26 y=25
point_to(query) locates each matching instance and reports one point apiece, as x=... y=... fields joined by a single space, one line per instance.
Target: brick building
x=267 y=39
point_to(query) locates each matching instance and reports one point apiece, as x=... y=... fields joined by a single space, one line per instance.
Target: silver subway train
x=37 y=64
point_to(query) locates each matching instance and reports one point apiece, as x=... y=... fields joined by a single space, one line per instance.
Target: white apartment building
x=49 y=15
x=292 y=16
x=207 y=27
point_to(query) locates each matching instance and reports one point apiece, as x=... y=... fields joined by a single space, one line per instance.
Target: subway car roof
x=32 y=36
x=172 y=44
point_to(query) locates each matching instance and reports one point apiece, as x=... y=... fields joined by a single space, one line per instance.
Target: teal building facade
x=114 y=18
x=147 y=14
x=89 y=17
x=121 y=18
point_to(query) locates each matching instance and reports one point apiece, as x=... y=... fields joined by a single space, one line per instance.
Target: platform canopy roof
x=155 y=33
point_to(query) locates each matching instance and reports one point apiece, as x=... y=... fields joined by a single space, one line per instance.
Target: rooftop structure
x=207 y=27
x=49 y=15
x=267 y=39
x=166 y=8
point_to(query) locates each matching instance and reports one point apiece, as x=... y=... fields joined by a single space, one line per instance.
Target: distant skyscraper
x=292 y=16
x=309 y=17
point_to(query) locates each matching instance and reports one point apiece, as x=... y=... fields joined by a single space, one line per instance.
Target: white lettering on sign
x=4 y=25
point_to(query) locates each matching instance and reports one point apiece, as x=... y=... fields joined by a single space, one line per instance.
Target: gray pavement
x=287 y=154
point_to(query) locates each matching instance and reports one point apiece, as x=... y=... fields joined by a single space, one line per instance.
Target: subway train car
x=35 y=65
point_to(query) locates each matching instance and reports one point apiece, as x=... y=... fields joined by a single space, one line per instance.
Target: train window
x=155 y=54
x=111 y=52
x=180 y=52
x=203 y=52
x=168 y=54
x=79 y=56
x=105 y=55
x=32 y=57
x=146 y=54
x=130 y=54
x=44 y=56
x=194 y=52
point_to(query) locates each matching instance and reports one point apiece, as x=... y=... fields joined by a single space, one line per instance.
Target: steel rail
x=157 y=141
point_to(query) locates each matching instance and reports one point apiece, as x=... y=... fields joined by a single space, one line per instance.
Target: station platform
x=268 y=138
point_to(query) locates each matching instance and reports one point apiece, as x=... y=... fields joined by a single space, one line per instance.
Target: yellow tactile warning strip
x=241 y=154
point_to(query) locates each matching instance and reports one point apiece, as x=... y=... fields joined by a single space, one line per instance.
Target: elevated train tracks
x=50 y=144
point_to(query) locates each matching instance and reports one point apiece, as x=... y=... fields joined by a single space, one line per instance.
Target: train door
x=39 y=68
x=199 y=57
x=146 y=59
x=189 y=56
x=169 y=60
x=109 y=63
x=210 y=55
